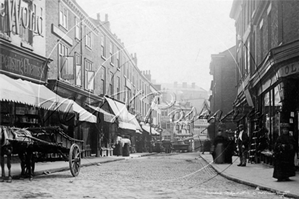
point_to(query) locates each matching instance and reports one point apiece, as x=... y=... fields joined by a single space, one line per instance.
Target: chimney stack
x=98 y=16
x=106 y=23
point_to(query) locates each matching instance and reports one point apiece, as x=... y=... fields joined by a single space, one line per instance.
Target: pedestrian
x=218 y=148
x=242 y=142
x=284 y=152
x=229 y=148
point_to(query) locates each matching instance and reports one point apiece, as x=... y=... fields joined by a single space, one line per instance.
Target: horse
x=16 y=141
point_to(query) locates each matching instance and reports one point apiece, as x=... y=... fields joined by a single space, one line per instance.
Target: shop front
x=276 y=86
x=128 y=126
x=25 y=101
x=85 y=130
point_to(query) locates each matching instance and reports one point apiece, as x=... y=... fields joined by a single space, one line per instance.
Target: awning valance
x=107 y=116
x=126 y=119
x=147 y=128
x=25 y=92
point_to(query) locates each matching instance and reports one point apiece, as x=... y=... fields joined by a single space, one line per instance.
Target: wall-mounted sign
x=287 y=70
x=22 y=64
x=16 y=13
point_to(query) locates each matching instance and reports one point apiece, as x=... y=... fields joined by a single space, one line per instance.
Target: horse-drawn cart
x=51 y=144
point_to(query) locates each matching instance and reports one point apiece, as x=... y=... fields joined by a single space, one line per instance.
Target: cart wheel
x=74 y=160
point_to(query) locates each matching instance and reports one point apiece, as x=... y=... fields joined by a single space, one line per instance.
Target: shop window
x=272 y=106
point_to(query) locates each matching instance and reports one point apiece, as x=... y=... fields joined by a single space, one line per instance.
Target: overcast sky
x=174 y=39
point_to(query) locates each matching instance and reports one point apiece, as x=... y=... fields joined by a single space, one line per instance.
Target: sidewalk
x=57 y=166
x=256 y=175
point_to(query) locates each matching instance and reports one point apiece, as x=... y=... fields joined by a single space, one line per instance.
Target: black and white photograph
x=149 y=99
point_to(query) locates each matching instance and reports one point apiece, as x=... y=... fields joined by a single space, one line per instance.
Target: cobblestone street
x=161 y=176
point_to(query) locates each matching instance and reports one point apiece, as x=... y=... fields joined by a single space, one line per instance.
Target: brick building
x=91 y=65
x=224 y=90
x=267 y=40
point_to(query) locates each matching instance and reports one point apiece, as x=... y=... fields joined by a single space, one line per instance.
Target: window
x=89 y=75
x=78 y=75
x=103 y=46
x=111 y=52
x=63 y=17
x=118 y=58
x=4 y=28
x=261 y=40
x=65 y=63
x=118 y=88
x=77 y=28
x=88 y=37
x=103 y=74
x=111 y=83
x=25 y=33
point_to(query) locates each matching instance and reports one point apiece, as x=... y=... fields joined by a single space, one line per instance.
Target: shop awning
x=25 y=92
x=84 y=115
x=126 y=119
x=107 y=116
x=228 y=117
x=147 y=128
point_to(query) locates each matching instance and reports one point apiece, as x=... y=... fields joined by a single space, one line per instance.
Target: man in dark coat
x=242 y=142
x=284 y=152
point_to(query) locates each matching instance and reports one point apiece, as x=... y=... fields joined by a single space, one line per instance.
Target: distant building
x=189 y=102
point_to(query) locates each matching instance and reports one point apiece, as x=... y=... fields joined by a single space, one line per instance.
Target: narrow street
x=183 y=175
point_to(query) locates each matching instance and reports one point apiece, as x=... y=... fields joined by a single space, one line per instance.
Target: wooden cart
x=52 y=144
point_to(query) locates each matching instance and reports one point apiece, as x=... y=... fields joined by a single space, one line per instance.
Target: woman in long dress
x=284 y=152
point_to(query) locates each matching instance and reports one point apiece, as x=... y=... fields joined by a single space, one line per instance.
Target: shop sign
x=18 y=13
x=20 y=64
x=288 y=70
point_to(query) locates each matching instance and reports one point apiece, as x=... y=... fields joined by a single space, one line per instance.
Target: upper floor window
x=118 y=58
x=89 y=75
x=111 y=52
x=77 y=28
x=88 y=38
x=111 y=83
x=65 y=63
x=63 y=17
x=102 y=75
x=118 y=88
x=78 y=75
x=103 y=45
x=4 y=28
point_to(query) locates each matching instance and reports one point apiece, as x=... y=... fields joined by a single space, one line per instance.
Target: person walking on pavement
x=242 y=142
x=284 y=152
x=218 y=148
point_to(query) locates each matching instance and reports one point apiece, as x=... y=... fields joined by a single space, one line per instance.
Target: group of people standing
x=284 y=151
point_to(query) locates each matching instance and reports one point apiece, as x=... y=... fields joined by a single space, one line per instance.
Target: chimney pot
x=98 y=16
x=106 y=17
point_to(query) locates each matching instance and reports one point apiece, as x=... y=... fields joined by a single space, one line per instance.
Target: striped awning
x=37 y=95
